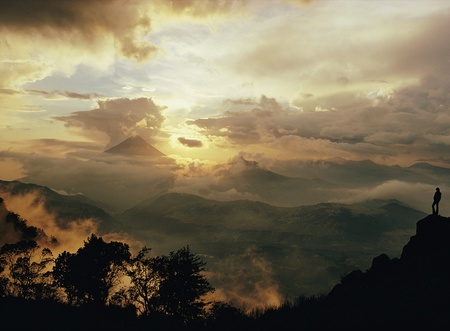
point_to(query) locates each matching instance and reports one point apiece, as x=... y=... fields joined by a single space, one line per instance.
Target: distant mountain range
x=135 y=146
x=302 y=250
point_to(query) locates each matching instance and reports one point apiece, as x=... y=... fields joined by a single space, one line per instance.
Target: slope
x=66 y=208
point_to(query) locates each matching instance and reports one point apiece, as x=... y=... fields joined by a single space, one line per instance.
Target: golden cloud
x=119 y=119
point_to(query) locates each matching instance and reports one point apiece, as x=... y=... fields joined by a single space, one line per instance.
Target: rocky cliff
x=410 y=292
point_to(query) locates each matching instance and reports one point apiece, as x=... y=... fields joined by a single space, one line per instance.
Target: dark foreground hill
x=407 y=293
x=411 y=292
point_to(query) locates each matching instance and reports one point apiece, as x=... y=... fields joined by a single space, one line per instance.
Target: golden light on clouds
x=207 y=80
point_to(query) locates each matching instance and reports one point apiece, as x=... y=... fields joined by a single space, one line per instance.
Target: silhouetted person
x=436 y=199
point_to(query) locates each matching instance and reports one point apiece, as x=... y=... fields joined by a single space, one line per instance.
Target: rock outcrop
x=406 y=293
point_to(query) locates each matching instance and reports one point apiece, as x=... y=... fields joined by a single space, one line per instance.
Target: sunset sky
x=205 y=81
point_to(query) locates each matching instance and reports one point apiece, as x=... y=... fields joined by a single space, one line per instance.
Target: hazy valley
x=257 y=254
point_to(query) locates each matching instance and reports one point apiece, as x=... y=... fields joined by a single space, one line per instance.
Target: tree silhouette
x=25 y=268
x=90 y=274
x=181 y=285
x=144 y=282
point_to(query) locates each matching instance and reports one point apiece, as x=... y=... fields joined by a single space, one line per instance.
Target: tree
x=90 y=274
x=144 y=282
x=181 y=285
x=25 y=270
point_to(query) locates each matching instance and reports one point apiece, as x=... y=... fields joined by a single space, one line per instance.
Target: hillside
x=305 y=250
x=65 y=208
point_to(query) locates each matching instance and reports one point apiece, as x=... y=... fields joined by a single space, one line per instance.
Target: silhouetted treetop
x=93 y=271
x=25 y=267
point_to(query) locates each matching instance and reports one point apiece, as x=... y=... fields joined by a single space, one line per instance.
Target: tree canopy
x=89 y=275
x=24 y=265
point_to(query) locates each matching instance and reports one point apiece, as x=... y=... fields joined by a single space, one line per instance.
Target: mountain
x=135 y=146
x=306 y=248
x=248 y=177
x=65 y=208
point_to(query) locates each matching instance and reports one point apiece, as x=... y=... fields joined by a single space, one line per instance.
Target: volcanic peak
x=135 y=145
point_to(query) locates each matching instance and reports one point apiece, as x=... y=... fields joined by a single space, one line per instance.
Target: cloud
x=417 y=195
x=82 y=22
x=190 y=142
x=14 y=71
x=243 y=126
x=14 y=228
x=8 y=91
x=119 y=119
x=58 y=148
x=64 y=94
x=299 y=2
x=251 y=285
x=31 y=207
x=403 y=126
x=199 y=8
x=68 y=33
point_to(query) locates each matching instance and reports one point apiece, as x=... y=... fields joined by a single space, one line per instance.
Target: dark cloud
x=85 y=20
x=67 y=94
x=410 y=123
x=119 y=119
x=88 y=22
x=244 y=126
x=8 y=91
x=265 y=120
x=190 y=142
x=247 y=101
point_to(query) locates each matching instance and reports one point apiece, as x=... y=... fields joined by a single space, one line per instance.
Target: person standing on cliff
x=436 y=199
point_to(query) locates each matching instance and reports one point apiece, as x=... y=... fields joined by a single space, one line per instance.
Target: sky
x=212 y=82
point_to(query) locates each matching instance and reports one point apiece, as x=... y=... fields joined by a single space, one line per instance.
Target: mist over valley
x=257 y=254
